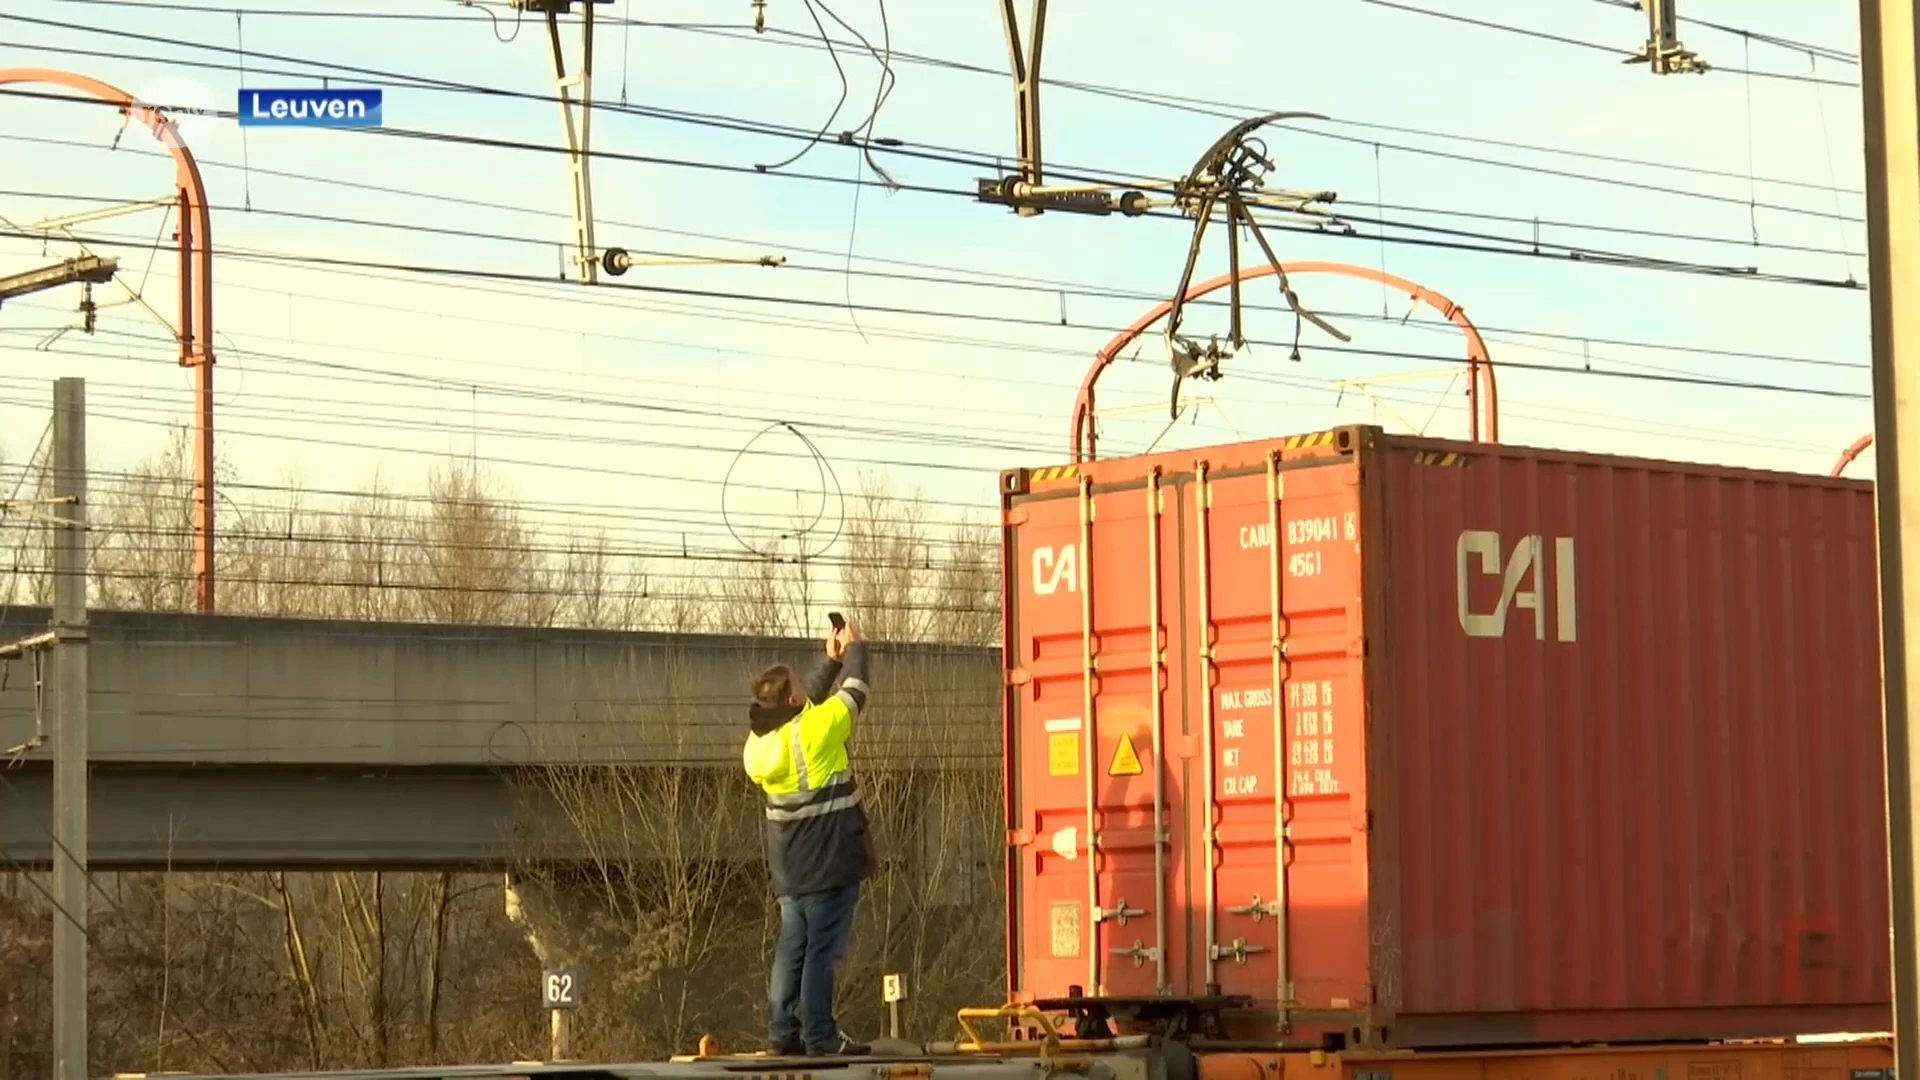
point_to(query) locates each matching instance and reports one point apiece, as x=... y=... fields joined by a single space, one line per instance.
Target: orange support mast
x=196 y=297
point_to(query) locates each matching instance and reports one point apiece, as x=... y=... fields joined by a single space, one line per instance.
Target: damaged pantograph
x=1229 y=180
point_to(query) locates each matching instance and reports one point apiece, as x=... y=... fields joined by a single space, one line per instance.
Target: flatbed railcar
x=1145 y=1059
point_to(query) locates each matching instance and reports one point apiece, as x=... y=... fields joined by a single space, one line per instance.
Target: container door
x=1088 y=691
x=1279 y=823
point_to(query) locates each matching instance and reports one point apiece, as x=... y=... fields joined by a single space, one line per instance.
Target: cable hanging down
x=1232 y=172
x=829 y=479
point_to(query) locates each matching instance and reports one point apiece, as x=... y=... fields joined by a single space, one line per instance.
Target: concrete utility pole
x=1890 y=85
x=70 y=730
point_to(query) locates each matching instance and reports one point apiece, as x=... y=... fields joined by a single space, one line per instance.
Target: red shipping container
x=1567 y=747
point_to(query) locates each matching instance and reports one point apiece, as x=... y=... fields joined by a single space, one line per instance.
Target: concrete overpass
x=234 y=741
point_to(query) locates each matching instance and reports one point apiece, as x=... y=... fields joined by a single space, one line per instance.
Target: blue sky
x=967 y=395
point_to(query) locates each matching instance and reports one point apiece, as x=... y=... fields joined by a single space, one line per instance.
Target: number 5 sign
x=559 y=989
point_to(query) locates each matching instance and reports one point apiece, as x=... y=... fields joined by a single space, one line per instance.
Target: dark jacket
x=816 y=826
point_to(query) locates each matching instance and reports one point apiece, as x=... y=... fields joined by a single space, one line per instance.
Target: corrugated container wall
x=1562 y=747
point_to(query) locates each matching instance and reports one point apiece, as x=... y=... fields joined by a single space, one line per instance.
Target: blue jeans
x=814 y=928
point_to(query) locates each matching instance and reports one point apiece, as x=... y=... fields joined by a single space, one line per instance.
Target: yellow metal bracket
x=973 y=1043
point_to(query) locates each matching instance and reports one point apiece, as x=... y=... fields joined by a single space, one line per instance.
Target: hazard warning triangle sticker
x=1126 y=761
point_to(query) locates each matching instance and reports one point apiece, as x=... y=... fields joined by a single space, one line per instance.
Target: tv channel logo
x=309 y=108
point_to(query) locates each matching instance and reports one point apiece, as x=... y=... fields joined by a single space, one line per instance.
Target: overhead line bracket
x=1663 y=53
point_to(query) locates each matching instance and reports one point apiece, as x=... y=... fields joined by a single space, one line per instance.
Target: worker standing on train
x=818 y=846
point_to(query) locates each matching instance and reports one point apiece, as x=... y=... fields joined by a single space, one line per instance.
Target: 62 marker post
x=559 y=995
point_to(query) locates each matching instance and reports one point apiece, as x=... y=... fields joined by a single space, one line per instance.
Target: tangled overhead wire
x=1232 y=175
x=829 y=485
x=862 y=133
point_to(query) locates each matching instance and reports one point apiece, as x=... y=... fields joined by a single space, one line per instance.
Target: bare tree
x=966 y=592
x=142 y=533
x=371 y=540
x=884 y=564
x=472 y=557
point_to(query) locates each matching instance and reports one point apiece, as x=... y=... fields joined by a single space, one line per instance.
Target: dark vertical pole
x=1891 y=106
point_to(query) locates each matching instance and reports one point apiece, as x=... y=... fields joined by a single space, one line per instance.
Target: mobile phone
x=838 y=622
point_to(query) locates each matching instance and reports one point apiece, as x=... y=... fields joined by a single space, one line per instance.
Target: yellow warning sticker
x=1063 y=753
x=1126 y=760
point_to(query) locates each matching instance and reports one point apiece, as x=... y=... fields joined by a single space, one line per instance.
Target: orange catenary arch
x=1481 y=395
x=196 y=295
x=1846 y=456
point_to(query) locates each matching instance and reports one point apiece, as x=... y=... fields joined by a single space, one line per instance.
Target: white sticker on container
x=1066 y=843
x=1071 y=723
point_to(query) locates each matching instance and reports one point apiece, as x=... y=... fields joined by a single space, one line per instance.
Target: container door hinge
x=1019 y=515
x=1256 y=909
x=1239 y=951
x=1019 y=837
x=1119 y=913
x=1017 y=676
x=1139 y=953
x=1358 y=646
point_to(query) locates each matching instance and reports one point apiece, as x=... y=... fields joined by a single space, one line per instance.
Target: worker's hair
x=775 y=687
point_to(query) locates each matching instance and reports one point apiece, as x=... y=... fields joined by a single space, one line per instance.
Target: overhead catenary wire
x=1573 y=337
x=1559 y=413
x=463 y=383
x=362 y=503
x=364 y=421
x=350 y=420
x=698 y=418
x=460 y=200
x=1070 y=287
x=1008 y=282
x=398 y=530
x=356 y=372
x=793 y=267
x=472 y=273
x=1591 y=45
x=967 y=316
x=1560 y=416
x=1440 y=238
x=1788 y=44
x=502 y=460
x=901 y=147
x=1059 y=170
x=780 y=38
x=240 y=578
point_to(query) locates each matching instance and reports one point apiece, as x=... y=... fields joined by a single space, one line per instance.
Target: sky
x=921 y=336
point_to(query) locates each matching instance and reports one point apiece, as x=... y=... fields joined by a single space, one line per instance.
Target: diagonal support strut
x=575 y=95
